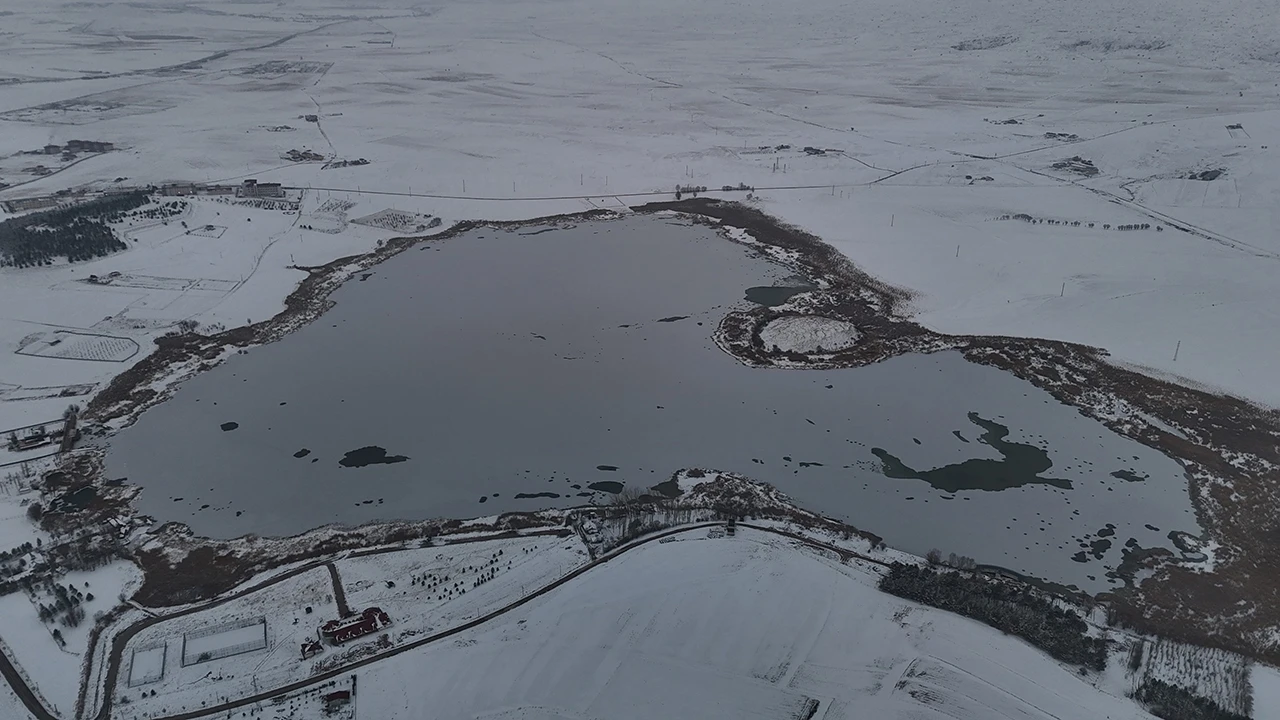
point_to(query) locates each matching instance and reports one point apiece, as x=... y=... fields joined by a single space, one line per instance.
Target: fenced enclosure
x=146 y=665
x=220 y=641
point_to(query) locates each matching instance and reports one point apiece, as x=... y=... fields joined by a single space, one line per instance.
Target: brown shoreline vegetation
x=1229 y=448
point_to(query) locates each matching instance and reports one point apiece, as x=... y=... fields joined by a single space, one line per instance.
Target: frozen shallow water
x=464 y=373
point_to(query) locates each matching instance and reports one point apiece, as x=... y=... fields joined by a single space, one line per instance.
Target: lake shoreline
x=1223 y=443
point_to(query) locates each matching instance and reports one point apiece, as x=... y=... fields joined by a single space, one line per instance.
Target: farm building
x=336 y=699
x=255 y=189
x=350 y=628
x=88 y=146
x=179 y=189
x=33 y=438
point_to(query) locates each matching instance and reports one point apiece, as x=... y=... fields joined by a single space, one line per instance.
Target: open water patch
x=369 y=455
x=773 y=296
x=1021 y=464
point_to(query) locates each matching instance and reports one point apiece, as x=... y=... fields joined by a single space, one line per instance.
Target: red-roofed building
x=370 y=621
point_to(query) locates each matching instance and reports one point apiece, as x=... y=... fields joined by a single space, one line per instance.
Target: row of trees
x=959 y=562
x=1018 y=611
x=1219 y=676
x=1174 y=703
x=78 y=232
x=1075 y=223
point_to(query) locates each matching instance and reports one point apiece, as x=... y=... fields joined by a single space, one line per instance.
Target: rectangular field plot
x=397 y=220
x=209 y=231
x=80 y=346
x=10 y=392
x=286 y=67
x=147 y=665
x=219 y=641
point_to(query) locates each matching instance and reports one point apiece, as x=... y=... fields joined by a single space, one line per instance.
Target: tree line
x=1174 y=703
x=76 y=233
x=1018 y=611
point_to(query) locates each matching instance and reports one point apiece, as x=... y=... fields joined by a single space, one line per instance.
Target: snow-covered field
x=52 y=668
x=748 y=626
x=447 y=594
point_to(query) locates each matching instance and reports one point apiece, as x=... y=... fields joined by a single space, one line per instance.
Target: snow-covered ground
x=11 y=706
x=808 y=334
x=54 y=669
x=748 y=626
x=1266 y=693
x=447 y=594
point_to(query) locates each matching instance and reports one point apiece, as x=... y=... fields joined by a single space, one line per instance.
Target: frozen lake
x=464 y=374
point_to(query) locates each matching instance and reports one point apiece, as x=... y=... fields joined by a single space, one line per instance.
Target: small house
x=336 y=699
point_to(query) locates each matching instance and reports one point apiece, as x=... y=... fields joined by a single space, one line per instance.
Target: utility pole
x=1176 y=348
x=1063 y=292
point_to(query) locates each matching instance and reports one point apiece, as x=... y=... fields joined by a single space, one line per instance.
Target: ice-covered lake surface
x=467 y=373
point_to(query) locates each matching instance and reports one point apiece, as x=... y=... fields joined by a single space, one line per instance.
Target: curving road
x=122 y=639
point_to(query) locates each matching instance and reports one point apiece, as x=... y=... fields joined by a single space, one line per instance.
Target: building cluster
x=78 y=146
x=255 y=189
x=297 y=155
x=246 y=189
